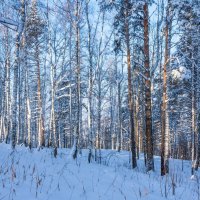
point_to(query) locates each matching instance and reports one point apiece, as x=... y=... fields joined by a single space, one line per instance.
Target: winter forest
x=99 y=99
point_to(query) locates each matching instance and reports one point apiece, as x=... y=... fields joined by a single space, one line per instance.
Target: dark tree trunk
x=148 y=115
x=130 y=89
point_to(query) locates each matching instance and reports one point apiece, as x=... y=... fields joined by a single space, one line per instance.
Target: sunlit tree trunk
x=164 y=117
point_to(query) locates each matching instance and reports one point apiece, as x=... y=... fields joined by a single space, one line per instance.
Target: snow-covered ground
x=26 y=175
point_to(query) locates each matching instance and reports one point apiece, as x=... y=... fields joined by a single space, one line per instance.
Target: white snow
x=176 y=74
x=181 y=73
x=26 y=175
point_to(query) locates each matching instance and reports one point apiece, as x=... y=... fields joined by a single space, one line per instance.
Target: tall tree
x=148 y=114
x=127 y=7
x=35 y=27
x=78 y=81
x=165 y=122
x=16 y=68
x=90 y=88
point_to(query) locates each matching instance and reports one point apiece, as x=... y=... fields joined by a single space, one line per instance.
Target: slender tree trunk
x=15 y=89
x=194 y=123
x=111 y=132
x=90 y=88
x=99 y=95
x=29 y=123
x=120 y=136
x=39 y=99
x=70 y=90
x=78 y=88
x=136 y=110
x=118 y=100
x=164 y=117
x=28 y=136
x=148 y=114
x=53 y=122
x=7 y=89
x=130 y=89
x=197 y=159
x=18 y=141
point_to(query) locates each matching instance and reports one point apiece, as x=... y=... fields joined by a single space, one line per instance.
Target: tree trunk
x=90 y=88
x=7 y=90
x=130 y=89
x=78 y=86
x=15 y=89
x=164 y=117
x=148 y=115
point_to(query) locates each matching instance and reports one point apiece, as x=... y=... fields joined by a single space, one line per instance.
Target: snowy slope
x=26 y=175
